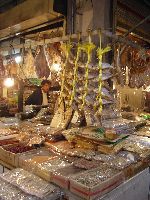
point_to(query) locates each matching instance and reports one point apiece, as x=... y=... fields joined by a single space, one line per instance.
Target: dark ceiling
x=131 y=12
x=8 y=4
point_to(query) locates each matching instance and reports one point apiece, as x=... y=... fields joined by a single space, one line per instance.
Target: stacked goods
x=27 y=182
x=92 y=138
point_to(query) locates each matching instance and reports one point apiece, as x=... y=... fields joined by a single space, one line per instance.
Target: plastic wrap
x=94 y=177
x=121 y=126
x=138 y=144
x=86 y=164
x=28 y=159
x=53 y=164
x=31 y=184
x=122 y=160
x=10 y=192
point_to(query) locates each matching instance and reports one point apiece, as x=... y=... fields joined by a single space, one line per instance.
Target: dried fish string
x=100 y=53
x=67 y=48
x=75 y=72
x=87 y=47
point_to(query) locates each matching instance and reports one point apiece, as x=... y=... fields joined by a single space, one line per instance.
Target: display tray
x=35 y=156
x=90 y=193
x=46 y=169
x=9 y=157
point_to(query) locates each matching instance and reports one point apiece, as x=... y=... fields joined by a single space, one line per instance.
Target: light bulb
x=18 y=59
x=9 y=82
x=56 y=67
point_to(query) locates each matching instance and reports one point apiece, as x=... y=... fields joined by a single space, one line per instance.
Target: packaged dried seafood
x=40 y=60
x=46 y=169
x=139 y=145
x=29 y=67
x=27 y=159
x=86 y=164
x=95 y=183
x=11 y=192
x=61 y=176
x=27 y=182
x=35 y=156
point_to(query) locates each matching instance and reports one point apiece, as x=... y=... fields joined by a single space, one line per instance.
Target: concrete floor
x=1 y=169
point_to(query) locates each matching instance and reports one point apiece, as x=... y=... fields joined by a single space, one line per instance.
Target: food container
x=27 y=159
x=100 y=187
x=46 y=169
x=61 y=176
x=12 y=158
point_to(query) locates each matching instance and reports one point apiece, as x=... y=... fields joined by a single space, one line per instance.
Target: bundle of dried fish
x=2 y=68
x=29 y=66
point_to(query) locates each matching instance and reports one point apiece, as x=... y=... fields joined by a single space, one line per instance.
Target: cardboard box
x=61 y=176
x=99 y=190
x=38 y=156
x=47 y=173
x=9 y=157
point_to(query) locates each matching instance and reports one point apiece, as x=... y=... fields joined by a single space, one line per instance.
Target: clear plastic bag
x=11 y=192
x=31 y=184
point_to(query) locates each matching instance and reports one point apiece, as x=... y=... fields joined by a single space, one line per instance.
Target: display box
x=9 y=157
x=27 y=159
x=46 y=169
x=103 y=187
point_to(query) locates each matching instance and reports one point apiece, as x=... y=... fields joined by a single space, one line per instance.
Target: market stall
x=87 y=150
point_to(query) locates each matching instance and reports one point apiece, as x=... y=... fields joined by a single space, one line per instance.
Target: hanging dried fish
x=42 y=68
x=12 y=67
x=29 y=67
x=2 y=68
